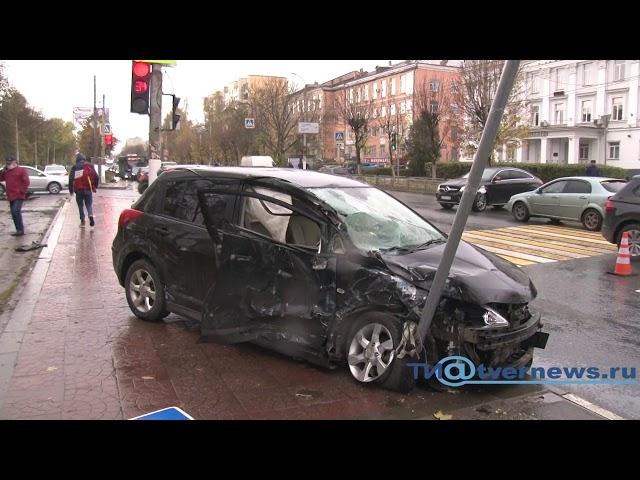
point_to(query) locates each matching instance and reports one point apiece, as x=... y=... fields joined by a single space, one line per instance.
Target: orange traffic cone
x=623 y=262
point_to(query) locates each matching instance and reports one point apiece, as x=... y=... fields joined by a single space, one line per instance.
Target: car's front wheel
x=592 y=220
x=480 y=203
x=145 y=291
x=54 y=187
x=371 y=352
x=520 y=212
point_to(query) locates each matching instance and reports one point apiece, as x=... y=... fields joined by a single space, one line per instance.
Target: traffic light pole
x=155 y=121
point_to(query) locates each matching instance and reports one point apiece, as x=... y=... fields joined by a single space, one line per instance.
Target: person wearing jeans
x=16 y=179
x=83 y=181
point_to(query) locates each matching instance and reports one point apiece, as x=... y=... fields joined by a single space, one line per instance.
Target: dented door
x=275 y=283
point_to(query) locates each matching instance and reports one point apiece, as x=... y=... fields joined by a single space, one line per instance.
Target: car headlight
x=462 y=188
x=493 y=319
x=440 y=186
x=482 y=190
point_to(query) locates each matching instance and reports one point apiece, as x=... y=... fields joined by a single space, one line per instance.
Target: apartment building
x=392 y=92
x=581 y=110
x=239 y=90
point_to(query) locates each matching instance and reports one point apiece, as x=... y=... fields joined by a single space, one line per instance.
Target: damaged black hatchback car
x=315 y=266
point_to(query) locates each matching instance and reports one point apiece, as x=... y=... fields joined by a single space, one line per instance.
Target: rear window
x=614 y=185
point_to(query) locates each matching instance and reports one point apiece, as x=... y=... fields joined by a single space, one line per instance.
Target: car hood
x=476 y=276
x=455 y=182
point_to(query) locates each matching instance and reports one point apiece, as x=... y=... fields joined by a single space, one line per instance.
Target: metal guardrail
x=402 y=184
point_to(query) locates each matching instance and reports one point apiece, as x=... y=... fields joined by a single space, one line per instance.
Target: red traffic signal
x=108 y=139
x=140 y=80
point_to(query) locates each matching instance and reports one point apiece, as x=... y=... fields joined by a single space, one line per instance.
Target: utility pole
x=155 y=121
x=47 y=152
x=17 y=141
x=94 y=148
x=102 y=122
x=36 y=151
x=507 y=79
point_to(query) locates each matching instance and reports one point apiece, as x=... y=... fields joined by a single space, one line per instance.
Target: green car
x=570 y=198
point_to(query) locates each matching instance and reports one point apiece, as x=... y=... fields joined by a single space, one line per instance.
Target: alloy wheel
x=371 y=352
x=520 y=211
x=634 y=242
x=142 y=290
x=591 y=220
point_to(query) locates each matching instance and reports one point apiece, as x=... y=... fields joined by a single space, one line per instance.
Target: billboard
x=81 y=114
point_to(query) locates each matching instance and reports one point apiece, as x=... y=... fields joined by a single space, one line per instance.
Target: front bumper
x=452 y=196
x=526 y=335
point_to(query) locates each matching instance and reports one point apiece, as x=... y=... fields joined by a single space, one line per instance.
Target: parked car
x=41 y=182
x=334 y=170
x=315 y=266
x=622 y=214
x=497 y=186
x=580 y=199
x=56 y=170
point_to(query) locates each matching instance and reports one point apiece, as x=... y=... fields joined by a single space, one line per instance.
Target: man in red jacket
x=16 y=179
x=83 y=181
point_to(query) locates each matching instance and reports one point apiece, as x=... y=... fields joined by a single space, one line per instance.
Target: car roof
x=298 y=177
x=592 y=179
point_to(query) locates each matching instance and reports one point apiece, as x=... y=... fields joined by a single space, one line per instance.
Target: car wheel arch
x=130 y=259
x=622 y=226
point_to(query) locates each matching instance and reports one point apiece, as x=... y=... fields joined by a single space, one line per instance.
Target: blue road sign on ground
x=171 y=413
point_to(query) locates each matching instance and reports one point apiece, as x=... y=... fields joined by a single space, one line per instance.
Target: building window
x=614 y=150
x=393 y=86
x=434 y=85
x=618 y=70
x=454 y=134
x=403 y=83
x=403 y=107
x=616 y=109
x=383 y=92
x=374 y=90
x=392 y=109
x=535 y=115
x=559 y=113
x=534 y=82
x=366 y=93
x=382 y=150
x=584 y=151
x=410 y=83
x=384 y=111
x=586 y=111
x=587 y=72
x=374 y=131
x=434 y=107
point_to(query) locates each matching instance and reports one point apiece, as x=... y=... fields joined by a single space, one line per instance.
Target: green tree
x=423 y=144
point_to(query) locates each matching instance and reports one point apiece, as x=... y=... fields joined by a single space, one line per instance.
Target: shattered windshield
x=377 y=221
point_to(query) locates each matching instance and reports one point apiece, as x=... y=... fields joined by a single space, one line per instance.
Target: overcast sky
x=55 y=87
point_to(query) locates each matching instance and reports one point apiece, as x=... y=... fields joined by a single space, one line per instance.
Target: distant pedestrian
x=16 y=180
x=592 y=170
x=83 y=181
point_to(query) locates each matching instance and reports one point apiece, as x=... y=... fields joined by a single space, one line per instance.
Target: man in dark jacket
x=16 y=180
x=592 y=170
x=83 y=181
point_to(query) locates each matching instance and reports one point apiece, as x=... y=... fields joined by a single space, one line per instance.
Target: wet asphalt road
x=593 y=318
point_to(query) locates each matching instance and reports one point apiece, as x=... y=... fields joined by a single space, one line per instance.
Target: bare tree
x=276 y=121
x=479 y=83
x=392 y=122
x=357 y=114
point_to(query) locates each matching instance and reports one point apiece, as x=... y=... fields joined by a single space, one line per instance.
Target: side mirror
x=538 y=190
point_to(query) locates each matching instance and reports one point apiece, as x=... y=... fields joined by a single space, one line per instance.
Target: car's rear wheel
x=446 y=206
x=480 y=203
x=54 y=187
x=145 y=291
x=592 y=220
x=370 y=351
x=633 y=230
x=520 y=212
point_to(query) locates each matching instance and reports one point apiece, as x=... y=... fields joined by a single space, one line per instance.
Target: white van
x=257 y=161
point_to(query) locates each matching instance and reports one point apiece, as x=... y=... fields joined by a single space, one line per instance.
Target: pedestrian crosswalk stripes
x=531 y=244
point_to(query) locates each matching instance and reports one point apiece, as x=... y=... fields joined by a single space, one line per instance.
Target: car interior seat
x=302 y=231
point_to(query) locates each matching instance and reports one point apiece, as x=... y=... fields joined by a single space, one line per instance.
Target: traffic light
x=108 y=139
x=140 y=87
x=174 y=116
x=393 y=141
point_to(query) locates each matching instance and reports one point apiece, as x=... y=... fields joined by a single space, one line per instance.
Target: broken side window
x=278 y=222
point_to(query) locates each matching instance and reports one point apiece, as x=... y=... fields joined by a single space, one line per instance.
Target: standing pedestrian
x=83 y=181
x=16 y=180
x=592 y=170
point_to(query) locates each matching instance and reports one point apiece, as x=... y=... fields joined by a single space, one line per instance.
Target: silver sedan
x=579 y=199
x=41 y=182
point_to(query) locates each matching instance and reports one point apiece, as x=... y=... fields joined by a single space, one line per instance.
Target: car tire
x=480 y=203
x=633 y=229
x=520 y=212
x=592 y=220
x=148 y=304
x=447 y=206
x=54 y=188
x=362 y=363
